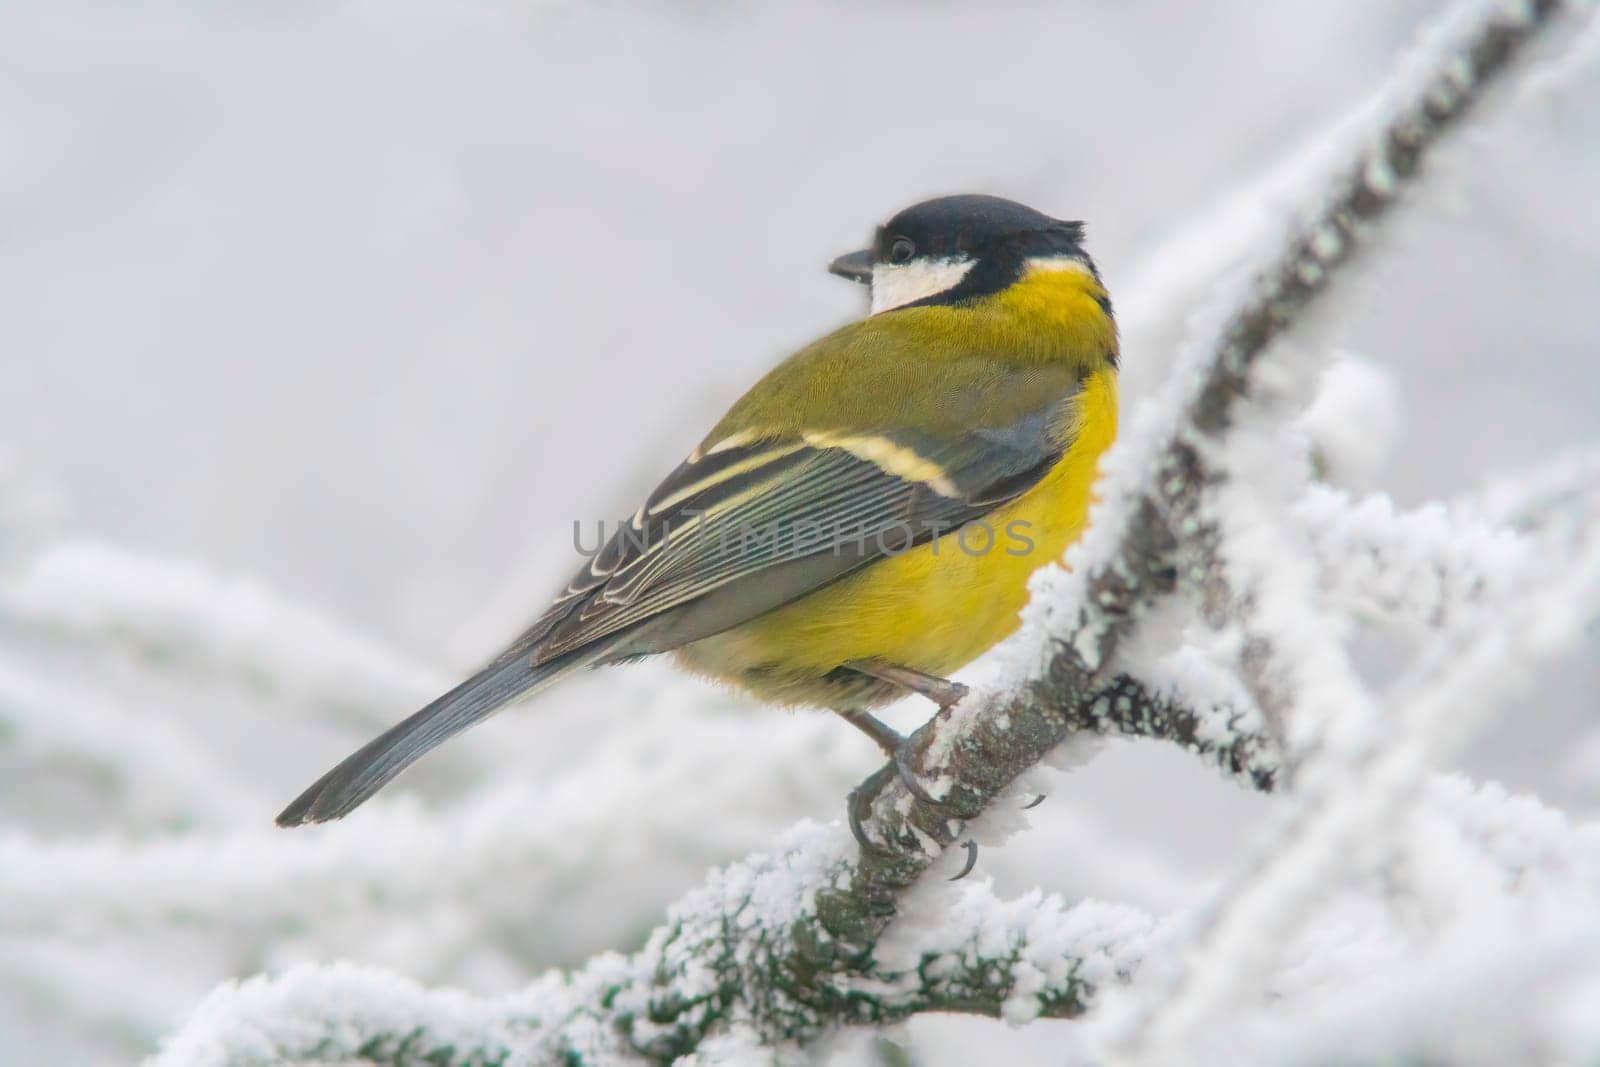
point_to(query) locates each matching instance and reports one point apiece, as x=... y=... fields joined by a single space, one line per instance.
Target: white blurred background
x=320 y=325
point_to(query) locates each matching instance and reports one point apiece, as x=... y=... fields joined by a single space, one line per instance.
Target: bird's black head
x=956 y=248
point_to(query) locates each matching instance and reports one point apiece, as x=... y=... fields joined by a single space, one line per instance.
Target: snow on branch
x=1413 y=570
x=785 y=947
x=1363 y=785
x=725 y=962
x=1422 y=569
x=1490 y=957
x=747 y=951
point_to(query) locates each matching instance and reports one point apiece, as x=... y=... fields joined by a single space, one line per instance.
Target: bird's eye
x=902 y=250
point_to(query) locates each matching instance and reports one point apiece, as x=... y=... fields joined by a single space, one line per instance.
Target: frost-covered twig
x=722 y=962
x=1533 y=499
x=1422 y=569
x=1414 y=570
x=1449 y=1008
x=1503 y=967
x=1228 y=736
x=1361 y=788
x=748 y=950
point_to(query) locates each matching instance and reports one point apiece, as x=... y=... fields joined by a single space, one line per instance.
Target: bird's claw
x=913 y=784
x=859 y=807
x=900 y=765
x=1035 y=802
x=972 y=861
x=908 y=774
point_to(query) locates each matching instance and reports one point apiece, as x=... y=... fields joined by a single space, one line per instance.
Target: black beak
x=857 y=266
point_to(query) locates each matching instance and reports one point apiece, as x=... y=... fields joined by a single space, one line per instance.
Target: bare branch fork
x=786 y=948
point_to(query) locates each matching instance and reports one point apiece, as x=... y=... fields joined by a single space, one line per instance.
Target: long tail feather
x=368 y=769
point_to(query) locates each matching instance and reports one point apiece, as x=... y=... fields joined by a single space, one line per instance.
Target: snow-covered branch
x=746 y=953
x=744 y=960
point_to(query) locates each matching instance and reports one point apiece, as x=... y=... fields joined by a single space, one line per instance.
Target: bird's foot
x=904 y=766
x=901 y=751
x=859 y=810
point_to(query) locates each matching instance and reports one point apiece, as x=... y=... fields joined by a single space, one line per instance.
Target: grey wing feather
x=812 y=500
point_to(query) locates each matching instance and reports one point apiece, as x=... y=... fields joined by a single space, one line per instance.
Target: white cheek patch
x=898 y=284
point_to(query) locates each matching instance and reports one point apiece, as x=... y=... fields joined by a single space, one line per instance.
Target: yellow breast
x=940 y=605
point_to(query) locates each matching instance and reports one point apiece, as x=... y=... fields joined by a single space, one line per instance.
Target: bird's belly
x=934 y=608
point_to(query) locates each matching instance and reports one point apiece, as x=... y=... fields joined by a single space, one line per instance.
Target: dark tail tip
x=303 y=808
x=329 y=797
x=365 y=771
x=371 y=767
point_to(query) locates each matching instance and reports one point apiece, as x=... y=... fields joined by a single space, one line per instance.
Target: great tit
x=864 y=520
